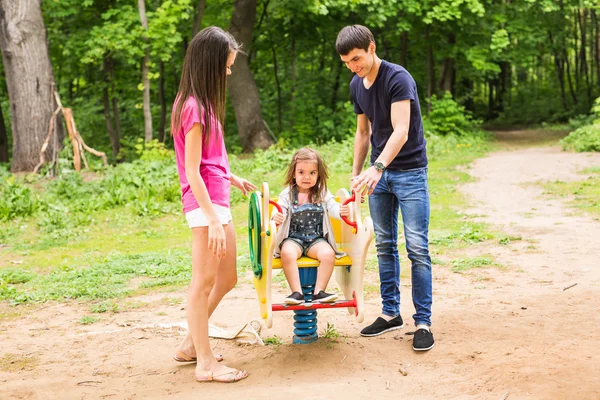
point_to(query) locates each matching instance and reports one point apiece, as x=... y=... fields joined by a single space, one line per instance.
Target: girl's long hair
x=317 y=193
x=204 y=76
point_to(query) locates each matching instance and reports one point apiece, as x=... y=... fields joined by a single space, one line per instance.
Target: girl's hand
x=242 y=184
x=345 y=211
x=277 y=218
x=216 y=239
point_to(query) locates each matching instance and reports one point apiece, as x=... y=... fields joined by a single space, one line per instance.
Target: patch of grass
x=88 y=319
x=370 y=291
x=102 y=278
x=437 y=261
x=466 y=264
x=10 y=362
x=15 y=276
x=330 y=332
x=505 y=240
x=582 y=195
x=172 y=301
x=371 y=263
x=465 y=233
x=273 y=341
x=104 y=307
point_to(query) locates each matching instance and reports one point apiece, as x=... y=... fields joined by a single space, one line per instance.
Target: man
x=388 y=114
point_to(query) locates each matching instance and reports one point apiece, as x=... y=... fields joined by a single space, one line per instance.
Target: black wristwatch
x=379 y=166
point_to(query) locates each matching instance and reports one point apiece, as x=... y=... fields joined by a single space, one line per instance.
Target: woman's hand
x=277 y=218
x=217 y=239
x=242 y=184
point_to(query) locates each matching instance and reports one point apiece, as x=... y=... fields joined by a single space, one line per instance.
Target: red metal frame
x=346 y=220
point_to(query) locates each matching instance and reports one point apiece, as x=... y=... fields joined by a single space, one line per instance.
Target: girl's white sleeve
x=283 y=201
x=332 y=206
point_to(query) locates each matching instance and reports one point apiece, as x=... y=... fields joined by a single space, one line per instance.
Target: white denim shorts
x=196 y=217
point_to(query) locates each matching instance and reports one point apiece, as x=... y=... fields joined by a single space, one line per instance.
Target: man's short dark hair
x=353 y=37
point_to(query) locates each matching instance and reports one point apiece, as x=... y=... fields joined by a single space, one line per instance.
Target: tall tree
x=29 y=79
x=198 y=14
x=3 y=139
x=145 y=78
x=242 y=86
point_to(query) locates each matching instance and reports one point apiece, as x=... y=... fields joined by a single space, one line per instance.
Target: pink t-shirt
x=214 y=166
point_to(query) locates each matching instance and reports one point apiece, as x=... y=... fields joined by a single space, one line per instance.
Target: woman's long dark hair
x=204 y=76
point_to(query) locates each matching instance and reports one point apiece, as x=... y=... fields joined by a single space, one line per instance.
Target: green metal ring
x=254 y=228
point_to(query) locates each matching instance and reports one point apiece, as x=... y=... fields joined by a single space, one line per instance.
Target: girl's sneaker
x=294 y=299
x=323 y=297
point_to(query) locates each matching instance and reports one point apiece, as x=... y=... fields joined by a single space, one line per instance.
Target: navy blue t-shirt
x=393 y=83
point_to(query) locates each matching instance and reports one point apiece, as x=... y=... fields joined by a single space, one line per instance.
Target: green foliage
x=586 y=138
x=449 y=118
x=16 y=199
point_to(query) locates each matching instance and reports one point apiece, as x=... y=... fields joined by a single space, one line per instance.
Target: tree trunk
x=596 y=45
x=241 y=84
x=115 y=109
x=491 y=105
x=336 y=84
x=583 y=53
x=114 y=138
x=3 y=139
x=429 y=68
x=29 y=79
x=163 y=105
x=199 y=13
x=569 y=80
x=278 y=86
x=404 y=49
x=145 y=79
x=445 y=82
x=575 y=48
x=560 y=71
x=293 y=84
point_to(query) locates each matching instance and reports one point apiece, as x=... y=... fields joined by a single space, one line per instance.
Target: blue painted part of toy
x=305 y=325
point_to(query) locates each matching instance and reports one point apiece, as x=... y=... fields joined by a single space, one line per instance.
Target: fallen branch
x=76 y=139
x=570 y=286
x=88 y=383
x=45 y=145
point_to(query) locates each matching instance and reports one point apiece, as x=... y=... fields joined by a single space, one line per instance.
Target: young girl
x=206 y=182
x=305 y=228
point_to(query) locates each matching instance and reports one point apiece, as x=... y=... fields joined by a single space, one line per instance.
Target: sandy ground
x=501 y=333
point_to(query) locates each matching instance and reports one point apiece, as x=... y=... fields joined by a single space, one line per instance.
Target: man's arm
x=361 y=143
x=400 y=116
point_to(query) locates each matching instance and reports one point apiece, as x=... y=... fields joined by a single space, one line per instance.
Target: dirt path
x=497 y=330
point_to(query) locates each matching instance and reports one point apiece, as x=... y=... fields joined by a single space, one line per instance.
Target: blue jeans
x=405 y=190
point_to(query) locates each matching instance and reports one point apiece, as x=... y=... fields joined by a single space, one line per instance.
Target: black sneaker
x=294 y=299
x=423 y=340
x=323 y=297
x=382 y=326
